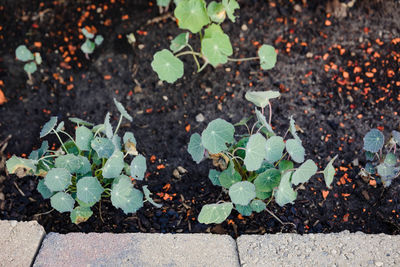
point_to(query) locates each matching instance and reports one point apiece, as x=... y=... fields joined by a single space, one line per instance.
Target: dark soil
x=338 y=78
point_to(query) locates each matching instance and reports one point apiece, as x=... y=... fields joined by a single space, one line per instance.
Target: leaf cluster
x=256 y=167
x=199 y=18
x=87 y=167
x=32 y=59
x=91 y=41
x=382 y=160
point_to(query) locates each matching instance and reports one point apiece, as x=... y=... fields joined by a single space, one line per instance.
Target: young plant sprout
x=89 y=45
x=384 y=164
x=163 y=5
x=22 y=53
x=258 y=167
x=216 y=48
x=87 y=168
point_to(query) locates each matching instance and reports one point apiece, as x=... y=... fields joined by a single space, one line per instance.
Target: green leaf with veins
x=122 y=110
x=274 y=148
x=261 y=119
x=242 y=193
x=258 y=205
x=212 y=29
x=285 y=165
x=80 y=214
x=98 y=40
x=285 y=193
x=213 y=175
x=114 y=165
x=373 y=141
x=255 y=152
x=263 y=195
x=196 y=148
x=89 y=189
x=295 y=150
x=147 y=193
x=167 y=66
x=304 y=172
x=83 y=138
x=138 y=167
x=38 y=58
x=216 y=12
x=192 y=15
x=108 y=127
x=217 y=134
x=103 y=147
x=44 y=190
x=69 y=162
x=14 y=163
x=229 y=176
x=48 y=127
x=230 y=7
x=57 y=179
x=292 y=129
x=88 y=47
x=261 y=98
x=268 y=180
x=87 y=34
x=62 y=202
x=329 y=172
x=390 y=159
x=22 y=53
x=179 y=42
x=124 y=196
x=163 y=3
x=268 y=56
x=215 y=213
x=80 y=122
x=217 y=48
x=385 y=171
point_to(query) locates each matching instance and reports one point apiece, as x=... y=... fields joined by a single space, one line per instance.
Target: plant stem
x=202 y=67
x=242 y=59
x=276 y=164
x=59 y=139
x=270 y=113
x=188 y=53
x=194 y=56
x=119 y=124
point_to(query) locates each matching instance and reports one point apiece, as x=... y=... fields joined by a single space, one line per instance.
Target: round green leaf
x=242 y=193
x=258 y=205
x=80 y=214
x=215 y=213
x=263 y=195
x=85 y=166
x=88 y=47
x=229 y=176
x=48 y=127
x=217 y=48
x=38 y=58
x=57 y=179
x=295 y=150
x=84 y=204
x=124 y=196
x=147 y=193
x=216 y=12
x=163 y=3
x=274 y=148
x=293 y=130
x=62 y=202
x=267 y=55
x=263 y=121
x=268 y=180
x=98 y=40
x=83 y=138
x=103 y=147
x=179 y=42
x=129 y=137
x=168 y=67
x=69 y=162
x=385 y=171
x=285 y=193
x=216 y=135
x=114 y=165
x=122 y=110
x=80 y=122
x=304 y=172
x=370 y=168
x=390 y=159
x=87 y=34
x=89 y=189
x=195 y=148
x=261 y=98
x=244 y=210
x=329 y=172
x=285 y=165
x=396 y=137
x=192 y=15
x=213 y=175
x=14 y=163
x=44 y=190
x=255 y=152
x=138 y=167
x=22 y=53
x=264 y=166
x=373 y=141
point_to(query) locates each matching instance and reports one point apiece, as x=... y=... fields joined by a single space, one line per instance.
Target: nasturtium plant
x=87 y=168
x=91 y=42
x=32 y=60
x=255 y=167
x=383 y=162
x=197 y=17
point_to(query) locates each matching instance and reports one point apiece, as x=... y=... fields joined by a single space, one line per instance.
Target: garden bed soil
x=338 y=78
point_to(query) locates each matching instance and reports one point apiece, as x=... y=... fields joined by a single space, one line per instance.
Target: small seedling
x=216 y=48
x=87 y=168
x=91 y=42
x=384 y=164
x=163 y=5
x=22 y=53
x=259 y=166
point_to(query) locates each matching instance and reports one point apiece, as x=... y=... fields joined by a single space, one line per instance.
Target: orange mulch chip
x=107 y=77
x=325 y=193
x=3 y=98
x=187 y=128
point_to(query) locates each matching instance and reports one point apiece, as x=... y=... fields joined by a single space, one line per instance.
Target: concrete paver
x=19 y=242
x=338 y=249
x=138 y=249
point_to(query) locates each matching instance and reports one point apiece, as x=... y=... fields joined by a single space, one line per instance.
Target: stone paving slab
x=340 y=249
x=19 y=242
x=138 y=249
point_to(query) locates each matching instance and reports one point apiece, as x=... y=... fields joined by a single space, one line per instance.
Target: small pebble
x=165 y=97
x=2 y=197
x=181 y=169
x=244 y=27
x=200 y=117
x=176 y=174
x=378 y=263
x=141 y=46
x=309 y=55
